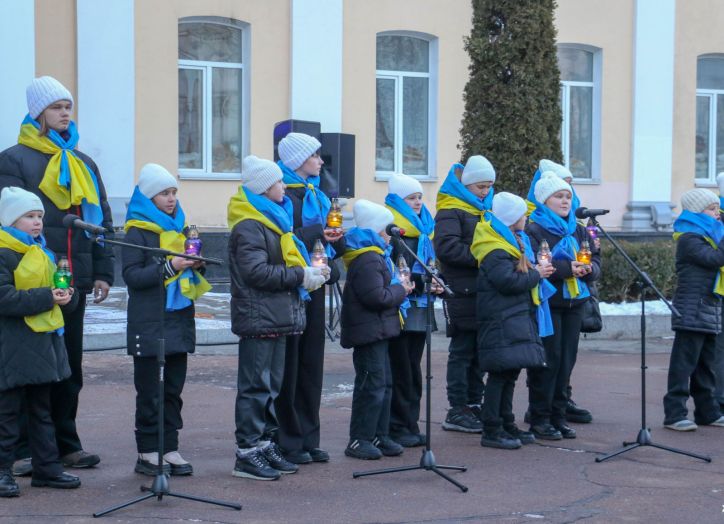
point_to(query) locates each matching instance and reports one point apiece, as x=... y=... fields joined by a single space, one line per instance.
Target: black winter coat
x=140 y=272
x=27 y=357
x=563 y=267
x=24 y=167
x=507 y=328
x=264 y=296
x=310 y=234
x=697 y=265
x=454 y=230
x=370 y=305
x=416 y=316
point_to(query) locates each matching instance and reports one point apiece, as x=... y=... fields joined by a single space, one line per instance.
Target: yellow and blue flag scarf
x=68 y=181
x=721 y=204
x=187 y=286
x=710 y=228
x=454 y=195
x=315 y=206
x=361 y=241
x=491 y=234
x=35 y=270
x=245 y=205
x=566 y=248
x=532 y=202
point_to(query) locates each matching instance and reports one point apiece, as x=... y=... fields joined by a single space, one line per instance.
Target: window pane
x=403 y=53
x=702 y=136
x=209 y=42
x=226 y=120
x=580 y=139
x=719 y=134
x=576 y=65
x=414 y=126
x=385 y=150
x=710 y=73
x=190 y=119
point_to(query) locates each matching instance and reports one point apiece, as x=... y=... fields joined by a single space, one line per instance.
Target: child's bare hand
x=181 y=263
x=409 y=286
x=580 y=270
x=61 y=297
x=545 y=270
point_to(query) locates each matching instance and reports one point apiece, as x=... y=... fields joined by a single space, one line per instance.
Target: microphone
x=584 y=212
x=75 y=222
x=394 y=231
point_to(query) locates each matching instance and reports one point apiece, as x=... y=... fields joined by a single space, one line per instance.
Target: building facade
x=196 y=86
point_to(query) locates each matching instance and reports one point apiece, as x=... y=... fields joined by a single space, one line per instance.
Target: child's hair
x=44 y=129
x=523 y=262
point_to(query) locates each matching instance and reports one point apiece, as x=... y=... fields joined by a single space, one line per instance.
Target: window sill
x=586 y=182
x=186 y=175
x=705 y=183
x=384 y=177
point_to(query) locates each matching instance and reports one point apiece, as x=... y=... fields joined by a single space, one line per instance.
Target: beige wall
x=362 y=21
x=698 y=31
x=55 y=42
x=157 y=88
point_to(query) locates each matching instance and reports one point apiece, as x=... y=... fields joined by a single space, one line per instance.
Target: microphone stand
x=160 y=486
x=427 y=461
x=644 y=283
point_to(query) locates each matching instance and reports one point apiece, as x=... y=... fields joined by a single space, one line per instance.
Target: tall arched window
x=709 y=156
x=212 y=106
x=405 y=108
x=580 y=129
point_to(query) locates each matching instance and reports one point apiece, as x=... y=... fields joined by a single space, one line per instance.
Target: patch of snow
x=653 y=307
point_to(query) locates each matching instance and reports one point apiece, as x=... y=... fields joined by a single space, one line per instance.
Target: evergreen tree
x=512 y=99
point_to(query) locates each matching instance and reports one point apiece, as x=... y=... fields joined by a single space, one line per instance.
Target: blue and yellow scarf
x=245 y=205
x=710 y=228
x=184 y=287
x=35 y=270
x=454 y=195
x=361 y=241
x=532 y=202
x=491 y=234
x=68 y=181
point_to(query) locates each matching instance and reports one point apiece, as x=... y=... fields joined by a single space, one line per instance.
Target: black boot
x=525 y=437
x=499 y=439
x=8 y=486
x=577 y=414
x=61 y=481
x=545 y=432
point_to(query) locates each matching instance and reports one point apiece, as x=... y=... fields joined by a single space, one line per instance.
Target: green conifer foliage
x=512 y=99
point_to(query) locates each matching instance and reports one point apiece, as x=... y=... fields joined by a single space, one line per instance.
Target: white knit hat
x=720 y=181
x=478 y=169
x=44 y=91
x=15 y=202
x=296 y=148
x=403 y=185
x=549 y=183
x=508 y=208
x=368 y=215
x=259 y=174
x=155 y=178
x=560 y=170
x=697 y=200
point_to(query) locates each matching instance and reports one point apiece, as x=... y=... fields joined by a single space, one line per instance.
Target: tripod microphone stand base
x=427 y=462
x=644 y=439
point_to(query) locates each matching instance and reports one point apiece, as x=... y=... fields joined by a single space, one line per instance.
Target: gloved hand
x=313 y=278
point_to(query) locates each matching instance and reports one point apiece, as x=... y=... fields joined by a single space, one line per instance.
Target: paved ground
x=539 y=483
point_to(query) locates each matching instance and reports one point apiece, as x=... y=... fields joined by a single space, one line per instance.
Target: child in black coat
x=370 y=318
x=32 y=351
x=508 y=333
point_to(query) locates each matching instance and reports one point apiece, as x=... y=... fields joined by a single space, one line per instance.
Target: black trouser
x=405 y=357
x=145 y=377
x=297 y=405
x=691 y=372
x=464 y=380
x=498 y=401
x=548 y=386
x=260 y=372
x=43 y=449
x=719 y=367
x=372 y=391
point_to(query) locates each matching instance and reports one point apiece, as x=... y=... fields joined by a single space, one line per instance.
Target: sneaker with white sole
x=718 y=422
x=683 y=425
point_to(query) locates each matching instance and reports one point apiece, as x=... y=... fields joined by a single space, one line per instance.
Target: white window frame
x=399 y=78
x=713 y=96
x=595 y=84
x=206 y=67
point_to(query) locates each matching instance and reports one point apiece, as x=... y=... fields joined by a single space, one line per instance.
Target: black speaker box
x=283 y=128
x=337 y=176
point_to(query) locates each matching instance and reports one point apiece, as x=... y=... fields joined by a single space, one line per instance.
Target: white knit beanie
x=697 y=200
x=478 y=169
x=720 y=181
x=259 y=174
x=403 y=185
x=548 y=184
x=368 y=215
x=44 y=91
x=560 y=170
x=15 y=202
x=296 y=148
x=508 y=208
x=155 y=178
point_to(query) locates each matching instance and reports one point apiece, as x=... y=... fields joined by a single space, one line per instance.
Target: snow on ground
x=653 y=307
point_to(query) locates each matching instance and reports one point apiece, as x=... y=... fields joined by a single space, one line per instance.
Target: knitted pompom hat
x=259 y=174
x=697 y=200
x=368 y=215
x=508 y=208
x=15 y=202
x=559 y=169
x=403 y=185
x=295 y=148
x=155 y=178
x=548 y=184
x=44 y=91
x=478 y=169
